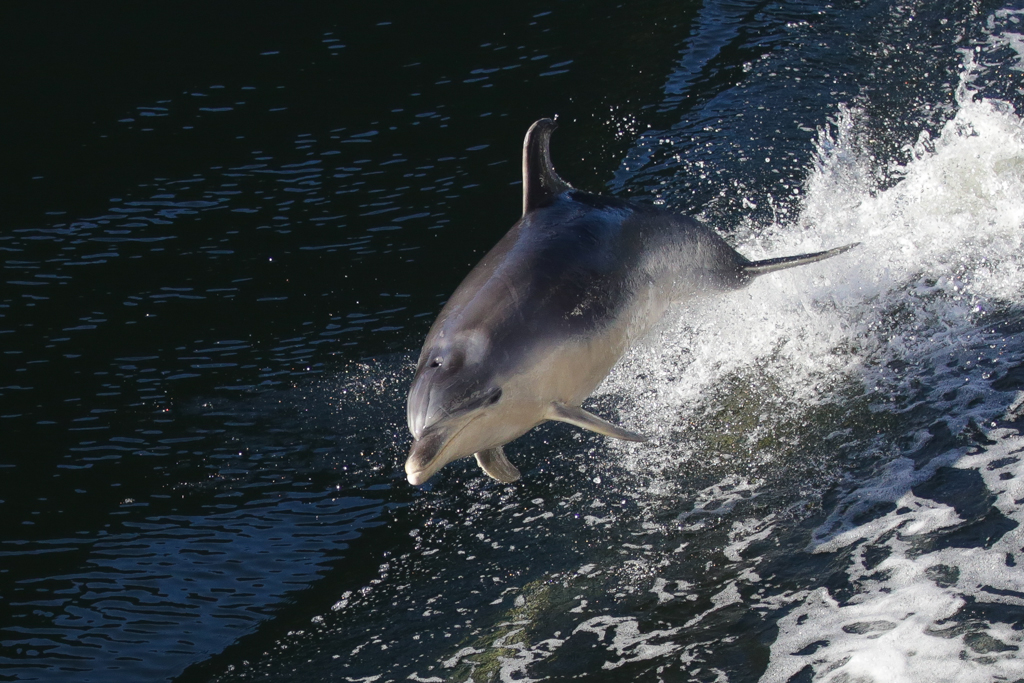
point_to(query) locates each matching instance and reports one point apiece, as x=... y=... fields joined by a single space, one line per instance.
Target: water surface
x=226 y=232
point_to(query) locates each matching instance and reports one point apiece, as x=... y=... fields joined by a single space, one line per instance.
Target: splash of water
x=916 y=322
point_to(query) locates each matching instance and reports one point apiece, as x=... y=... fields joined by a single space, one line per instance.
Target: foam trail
x=907 y=620
x=941 y=250
x=941 y=260
x=936 y=289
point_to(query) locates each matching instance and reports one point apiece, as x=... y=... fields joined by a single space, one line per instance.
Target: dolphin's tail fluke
x=755 y=268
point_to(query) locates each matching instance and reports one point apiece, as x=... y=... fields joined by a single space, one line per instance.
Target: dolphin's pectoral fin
x=575 y=415
x=494 y=463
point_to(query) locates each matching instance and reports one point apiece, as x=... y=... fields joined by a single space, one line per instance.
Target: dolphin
x=542 y=319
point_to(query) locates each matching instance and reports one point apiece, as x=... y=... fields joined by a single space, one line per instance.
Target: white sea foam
x=940 y=250
x=999 y=35
x=947 y=240
x=941 y=257
x=901 y=624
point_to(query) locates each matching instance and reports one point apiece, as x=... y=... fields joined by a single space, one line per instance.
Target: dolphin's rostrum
x=541 y=320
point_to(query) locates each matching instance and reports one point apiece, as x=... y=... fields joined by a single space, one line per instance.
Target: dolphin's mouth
x=422 y=461
x=427 y=454
x=417 y=408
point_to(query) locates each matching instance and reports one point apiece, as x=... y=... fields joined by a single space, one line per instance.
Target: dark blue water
x=226 y=231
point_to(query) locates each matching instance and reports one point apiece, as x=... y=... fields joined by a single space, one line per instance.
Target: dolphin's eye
x=436 y=363
x=495 y=397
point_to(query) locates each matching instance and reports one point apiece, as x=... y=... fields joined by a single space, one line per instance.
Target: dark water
x=225 y=232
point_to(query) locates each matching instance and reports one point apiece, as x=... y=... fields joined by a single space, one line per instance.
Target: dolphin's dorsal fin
x=540 y=182
x=494 y=463
x=575 y=415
